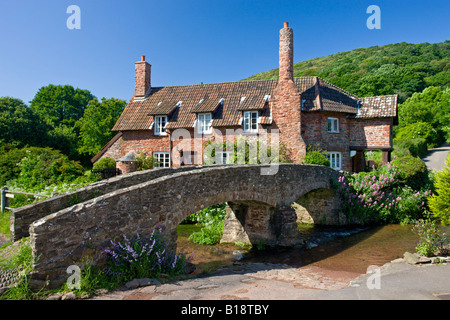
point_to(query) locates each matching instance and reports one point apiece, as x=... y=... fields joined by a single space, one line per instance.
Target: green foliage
x=410 y=147
x=413 y=172
x=58 y=104
x=316 y=156
x=208 y=235
x=382 y=196
x=376 y=156
x=421 y=130
x=144 y=162
x=36 y=169
x=47 y=167
x=440 y=202
x=96 y=124
x=142 y=257
x=211 y=219
x=20 y=125
x=431 y=106
x=245 y=152
x=105 y=163
x=22 y=262
x=9 y=164
x=5 y=224
x=60 y=117
x=65 y=139
x=432 y=241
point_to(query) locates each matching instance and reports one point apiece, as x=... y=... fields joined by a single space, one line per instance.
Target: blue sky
x=189 y=41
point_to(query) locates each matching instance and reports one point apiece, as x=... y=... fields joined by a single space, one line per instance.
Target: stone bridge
x=260 y=208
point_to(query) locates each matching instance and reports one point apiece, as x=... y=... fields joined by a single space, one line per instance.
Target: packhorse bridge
x=65 y=229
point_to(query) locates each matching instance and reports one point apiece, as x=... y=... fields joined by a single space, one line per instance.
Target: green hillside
x=401 y=68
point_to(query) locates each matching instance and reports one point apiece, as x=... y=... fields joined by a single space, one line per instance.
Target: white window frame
x=162 y=159
x=335 y=160
x=333 y=125
x=222 y=157
x=249 y=122
x=204 y=122
x=160 y=125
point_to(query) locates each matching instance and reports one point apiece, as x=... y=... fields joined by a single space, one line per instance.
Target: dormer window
x=160 y=125
x=204 y=123
x=251 y=121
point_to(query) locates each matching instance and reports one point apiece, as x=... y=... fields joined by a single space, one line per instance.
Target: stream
x=333 y=248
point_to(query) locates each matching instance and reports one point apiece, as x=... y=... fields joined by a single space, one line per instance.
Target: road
x=396 y=280
x=435 y=159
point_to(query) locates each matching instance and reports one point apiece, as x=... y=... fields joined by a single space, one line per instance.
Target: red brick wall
x=371 y=132
x=315 y=132
x=144 y=141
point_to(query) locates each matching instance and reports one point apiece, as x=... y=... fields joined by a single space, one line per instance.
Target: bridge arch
x=67 y=236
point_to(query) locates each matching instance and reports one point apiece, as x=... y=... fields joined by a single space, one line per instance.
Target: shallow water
x=338 y=249
x=355 y=252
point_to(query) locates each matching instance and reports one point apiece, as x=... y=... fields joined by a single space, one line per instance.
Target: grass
x=22 y=262
x=4 y=223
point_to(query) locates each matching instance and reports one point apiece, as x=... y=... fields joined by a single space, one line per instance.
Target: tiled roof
x=317 y=95
x=378 y=107
x=163 y=107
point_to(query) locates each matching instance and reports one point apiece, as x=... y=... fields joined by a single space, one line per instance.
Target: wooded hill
x=401 y=68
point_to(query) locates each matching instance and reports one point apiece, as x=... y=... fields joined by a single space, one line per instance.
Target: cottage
x=303 y=111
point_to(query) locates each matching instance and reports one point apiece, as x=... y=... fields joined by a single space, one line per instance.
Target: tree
x=419 y=130
x=432 y=106
x=97 y=122
x=440 y=203
x=58 y=104
x=20 y=125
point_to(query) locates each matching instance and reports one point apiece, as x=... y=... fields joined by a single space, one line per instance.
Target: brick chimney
x=286 y=101
x=142 y=78
x=286 y=65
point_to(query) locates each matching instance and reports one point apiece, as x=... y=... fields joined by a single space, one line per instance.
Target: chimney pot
x=142 y=58
x=286 y=24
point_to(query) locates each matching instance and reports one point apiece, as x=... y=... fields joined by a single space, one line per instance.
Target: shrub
x=245 y=152
x=41 y=167
x=208 y=235
x=432 y=241
x=415 y=147
x=105 y=163
x=380 y=197
x=419 y=130
x=440 y=203
x=143 y=257
x=212 y=219
x=144 y=163
x=413 y=172
x=316 y=156
x=9 y=168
